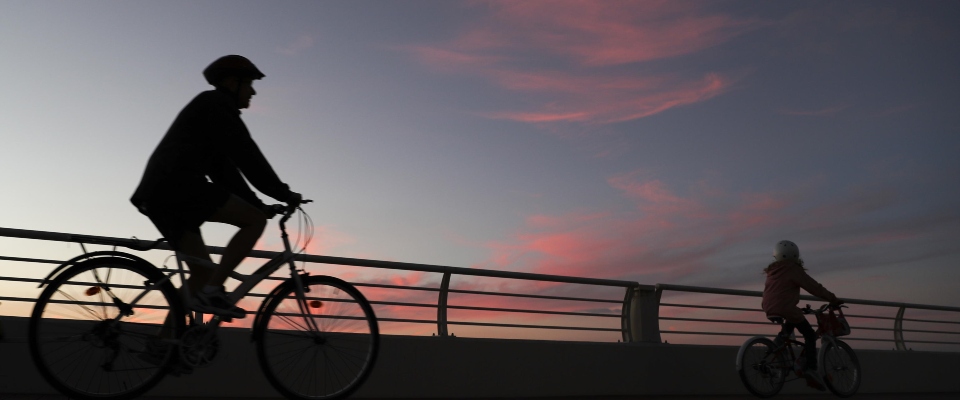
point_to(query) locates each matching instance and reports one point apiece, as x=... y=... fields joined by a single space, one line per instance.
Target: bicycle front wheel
x=91 y=331
x=841 y=368
x=762 y=369
x=320 y=347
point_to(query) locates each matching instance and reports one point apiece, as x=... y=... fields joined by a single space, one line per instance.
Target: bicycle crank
x=199 y=345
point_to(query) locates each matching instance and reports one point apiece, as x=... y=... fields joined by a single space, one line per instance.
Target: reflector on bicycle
x=93 y=290
x=316 y=304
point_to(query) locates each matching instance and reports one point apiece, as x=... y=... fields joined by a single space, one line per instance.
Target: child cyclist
x=781 y=294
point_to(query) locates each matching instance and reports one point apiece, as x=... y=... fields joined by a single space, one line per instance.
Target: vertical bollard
x=642 y=310
x=442 y=305
x=898 y=330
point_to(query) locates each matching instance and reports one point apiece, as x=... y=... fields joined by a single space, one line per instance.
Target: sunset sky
x=652 y=141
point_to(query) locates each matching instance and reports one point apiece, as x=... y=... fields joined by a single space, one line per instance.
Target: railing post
x=442 y=305
x=898 y=330
x=641 y=315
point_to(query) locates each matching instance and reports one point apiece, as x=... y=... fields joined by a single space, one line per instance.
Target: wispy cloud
x=673 y=236
x=569 y=57
x=297 y=46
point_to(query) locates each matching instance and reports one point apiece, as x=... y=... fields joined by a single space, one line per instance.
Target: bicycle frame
x=248 y=282
x=788 y=343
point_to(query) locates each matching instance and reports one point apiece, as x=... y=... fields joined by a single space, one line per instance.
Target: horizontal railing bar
x=13 y=279
x=868 y=316
x=516 y=310
x=713 y=333
x=409 y=321
x=18 y=299
x=383 y=286
x=844 y=338
x=33 y=260
x=754 y=293
x=573 y=328
x=716 y=320
x=903 y=330
x=111 y=305
x=931 y=321
x=768 y=323
x=929 y=342
x=535 y=296
x=846 y=315
x=397 y=303
x=758 y=334
x=709 y=307
x=135 y=244
x=466 y=323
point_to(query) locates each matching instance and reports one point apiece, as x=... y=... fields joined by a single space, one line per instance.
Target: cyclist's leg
x=191 y=243
x=251 y=222
x=809 y=342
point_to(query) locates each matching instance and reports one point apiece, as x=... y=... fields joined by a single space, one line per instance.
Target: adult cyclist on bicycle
x=196 y=174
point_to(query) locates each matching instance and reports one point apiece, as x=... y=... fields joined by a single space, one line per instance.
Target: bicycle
x=764 y=365
x=93 y=333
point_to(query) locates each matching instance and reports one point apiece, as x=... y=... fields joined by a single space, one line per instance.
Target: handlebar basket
x=832 y=323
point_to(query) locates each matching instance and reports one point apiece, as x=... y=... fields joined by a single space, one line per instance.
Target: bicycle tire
x=82 y=346
x=330 y=363
x=840 y=368
x=762 y=370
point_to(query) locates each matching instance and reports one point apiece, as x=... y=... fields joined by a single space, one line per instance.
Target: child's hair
x=798 y=261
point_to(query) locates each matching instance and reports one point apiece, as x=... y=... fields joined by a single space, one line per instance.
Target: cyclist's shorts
x=175 y=215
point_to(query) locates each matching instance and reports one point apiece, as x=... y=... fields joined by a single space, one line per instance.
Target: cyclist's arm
x=813 y=287
x=239 y=147
x=230 y=177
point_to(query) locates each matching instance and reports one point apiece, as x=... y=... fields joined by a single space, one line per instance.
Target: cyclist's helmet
x=232 y=65
x=786 y=250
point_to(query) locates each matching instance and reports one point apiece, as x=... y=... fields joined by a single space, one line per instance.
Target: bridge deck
x=894 y=396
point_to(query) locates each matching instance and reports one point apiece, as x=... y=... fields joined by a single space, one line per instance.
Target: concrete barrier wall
x=461 y=367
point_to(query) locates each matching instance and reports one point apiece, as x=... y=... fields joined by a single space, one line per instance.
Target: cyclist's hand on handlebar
x=836 y=304
x=295 y=199
x=273 y=209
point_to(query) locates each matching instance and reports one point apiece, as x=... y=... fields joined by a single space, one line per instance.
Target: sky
x=650 y=141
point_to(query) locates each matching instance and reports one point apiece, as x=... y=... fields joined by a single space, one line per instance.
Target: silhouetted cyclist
x=196 y=174
x=781 y=294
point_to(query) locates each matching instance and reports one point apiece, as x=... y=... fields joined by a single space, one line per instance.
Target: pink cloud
x=602 y=33
x=666 y=236
x=562 y=56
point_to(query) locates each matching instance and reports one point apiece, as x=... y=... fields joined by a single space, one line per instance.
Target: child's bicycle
x=93 y=333
x=764 y=365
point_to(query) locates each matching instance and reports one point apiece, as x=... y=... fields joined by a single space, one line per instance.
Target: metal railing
x=639 y=314
x=897 y=328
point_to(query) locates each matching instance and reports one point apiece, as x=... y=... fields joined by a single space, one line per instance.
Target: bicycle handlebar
x=808 y=310
x=287 y=210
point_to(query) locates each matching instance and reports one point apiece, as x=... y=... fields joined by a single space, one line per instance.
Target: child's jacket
x=781 y=293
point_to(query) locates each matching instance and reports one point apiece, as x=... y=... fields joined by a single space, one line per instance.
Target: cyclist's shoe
x=814 y=380
x=217 y=303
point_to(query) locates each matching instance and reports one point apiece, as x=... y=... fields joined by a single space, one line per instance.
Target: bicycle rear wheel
x=762 y=369
x=841 y=368
x=91 y=328
x=323 y=348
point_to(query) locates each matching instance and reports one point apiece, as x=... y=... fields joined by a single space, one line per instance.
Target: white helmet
x=786 y=250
